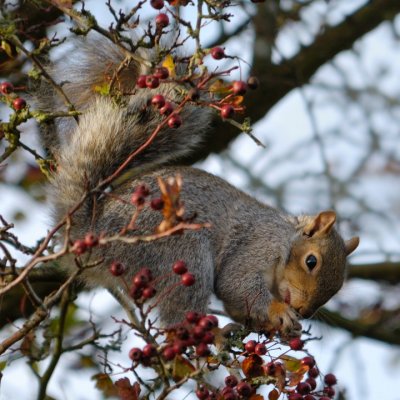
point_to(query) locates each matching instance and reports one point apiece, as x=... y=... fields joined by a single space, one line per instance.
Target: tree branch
x=388 y=272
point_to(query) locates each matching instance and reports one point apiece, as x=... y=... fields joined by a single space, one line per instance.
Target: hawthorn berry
x=198 y=332
x=309 y=397
x=162 y=20
x=270 y=368
x=149 y=292
x=157 y=4
x=312 y=382
x=79 y=247
x=135 y=292
x=149 y=350
x=158 y=100
x=140 y=280
x=227 y=111
x=260 y=349
x=167 y=109
x=137 y=199
x=250 y=346
x=157 y=204
x=188 y=279
x=303 y=388
x=329 y=391
x=206 y=323
x=253 y=82
x=213 y=319
x=295 y=396
x=313 y=372
x=330 y=379
x=152 y=82
x=202 y=393
x=208 y=338
x=169 y=353
x=6 y=87
x=239 y=87
x=324 y=398
x=141 y=81
x=174 y=121
x=244 y=389
x=135 y=354
x=228 y=393
x=231 y=381
x=192 y=317
x=91 y=240
x=180 y=267
x=309 y=361
x=19 y=104
x=217 y=53
x=182 y=333
x=161 y=73
x=202 y=350
x=117 y=268
x=296 y=343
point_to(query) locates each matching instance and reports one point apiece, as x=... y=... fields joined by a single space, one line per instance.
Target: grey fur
x=242 y=258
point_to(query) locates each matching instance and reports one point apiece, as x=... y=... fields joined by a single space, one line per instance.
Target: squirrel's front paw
x=283 y=319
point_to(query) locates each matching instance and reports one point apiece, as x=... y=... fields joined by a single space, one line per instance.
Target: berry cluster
x=138 y=198
x=81 y=246
x=7 y=88
x=142 y=285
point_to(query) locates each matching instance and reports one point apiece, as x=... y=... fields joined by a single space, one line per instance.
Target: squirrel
x=268 y=268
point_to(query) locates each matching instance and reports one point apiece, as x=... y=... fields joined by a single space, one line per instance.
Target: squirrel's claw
x=284 y=319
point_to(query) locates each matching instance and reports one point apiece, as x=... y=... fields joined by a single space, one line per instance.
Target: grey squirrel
x=267 y=267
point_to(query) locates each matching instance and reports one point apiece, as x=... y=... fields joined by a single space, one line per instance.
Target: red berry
x=158 y=100
x=239 y=87
x=162 y=20
x=192 y=317
x=309 y=361
x=149 y=292
x=250 y=346
x=260 y=349
x=146 y=272
x=161 y=73
x=231 y=381
x=198 y=332
x=152 y=82
x=174 y=121
x=206 y=323
x=303 y=388
x=295 y=396
x=91 y=240
x=149 y=350
x=253 y=82
x=79 y=247
x=180 y=267
x=169 y=353
x=157 y=4
x=179 y=346
x=135 y=292
x=117 y=268
x=313 y=372
x=6 y=87
x=182 y=333
x=324 y=398
x=312 y=382
x=167 y=109
x=140 y=280
x=244 y=389
x=213 y=319
x=330 y=379
x=227 y=111
x=135 y=354
x=309 y=397
x=270 y=368
x=217 y=53
x=188 y=279
x=157 y=204
x=329 y=391
x=296 y=344
x=208 y=338
x=202 y=393
x=141 y=81
x=19 y=104
x=137 y=199
x=202 y=350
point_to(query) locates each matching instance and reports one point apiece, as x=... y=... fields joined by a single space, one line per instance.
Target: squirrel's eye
x=311 y=262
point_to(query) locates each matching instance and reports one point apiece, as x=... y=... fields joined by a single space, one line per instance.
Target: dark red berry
x=330 y=379
x=161 y=73
x=169 y=353
x=117 y=268
x=91 y=240
x=152 y=82
x=157 y=204
x=162 y=20
x=180 y=267
x=213 y=319
x=6 y=87
x=244 y=389
x=143 y=190
x=135 y=292
x=188 y=279
x=182 y=333
x=206 y=323
x=227 y=111
x=324 y=398
x=217 y=53
x=192 y=317
x=79 y=247
x=19 y=104
x=313 y=372
x=312 y=382
x=309 y=361
x=296 y=344
x=140 y=280
x=239 y=87
x=229 y=394
x=198 y=332
x=260 y=349
x=135 y=354
x=253 y=82
x=202 y=350
x=141 y=81
x=309 y=397
x=149 y=292
x=146 y=272
x=149 y=350
x=231 y=381
x=208 y=338
x=303 y=388
x=202 y=393
x=250 y=346
x=157 y=4
x=158 y=100
x=329 y=391
x=179 y=346
x=174 y=121
x=167 y=109
x=270 y=368
x=137 y=199
x=295 y=396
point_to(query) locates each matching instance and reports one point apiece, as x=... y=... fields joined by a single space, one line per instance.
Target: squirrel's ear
x=351 y=244
x=321 y=224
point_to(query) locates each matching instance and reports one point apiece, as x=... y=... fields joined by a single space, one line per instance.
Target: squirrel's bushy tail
x=110 y=127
